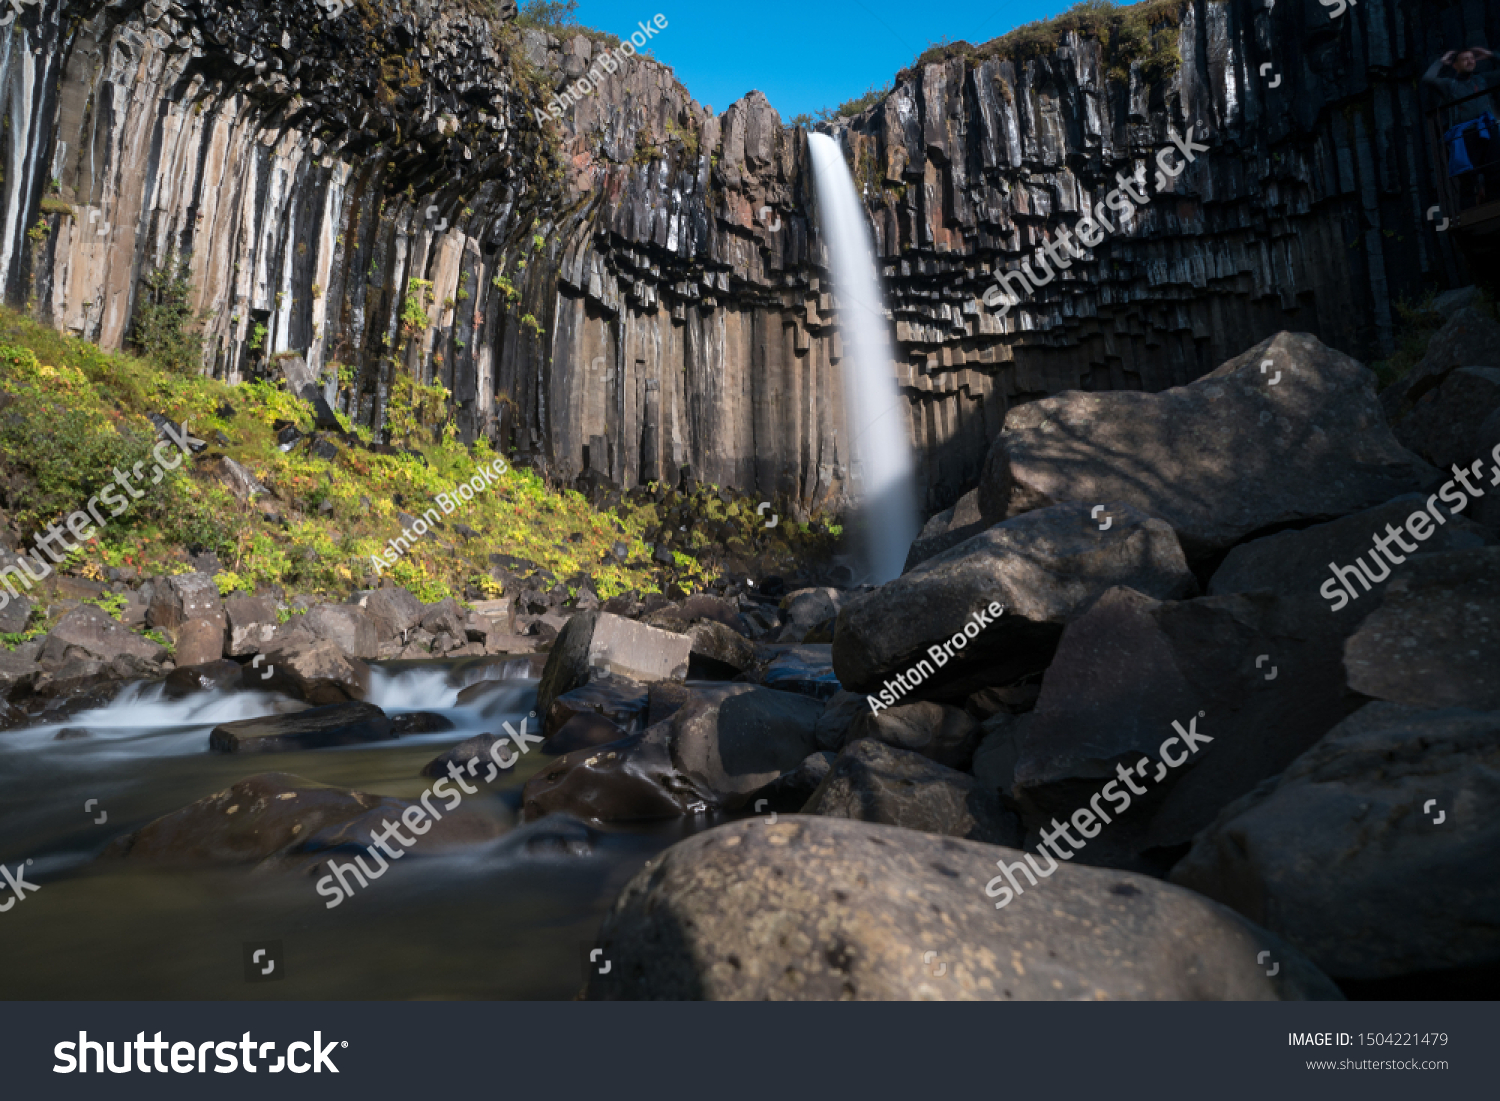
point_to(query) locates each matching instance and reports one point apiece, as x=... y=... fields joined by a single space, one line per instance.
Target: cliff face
x=643 y=286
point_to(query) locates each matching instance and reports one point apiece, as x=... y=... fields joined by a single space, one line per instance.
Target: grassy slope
x=70 y=413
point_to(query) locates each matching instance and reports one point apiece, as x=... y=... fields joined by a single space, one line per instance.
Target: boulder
x=248 y=822
x=583 y=731
x=720 y=747
x=419 y=722
x=1443 y=427
x=445 y=618
x=309 y=669
x=476 y=748
x=1434 y=641
x=175 y=600
x=621 y=701
x=89 y=632
x=17 y=672
x=1253 y=680
x=315 y=728
x=1368 y=852
x=626 y=781
x=395 y=612
x=1296 y=563
x=348 y=626
x=875 y=782
x=803 y=611
x=15 y=613
x=947 y=529
x=210 y=676
x=719 y=652
x=252 y=624
x=600 y=640
x=1043 y=568
x=1467 y=339
x=812 y=908
x=839 y=714
x=238 y=479
x=789 y=792
x=937 y=731
x=200 y=641
x=1312 y=446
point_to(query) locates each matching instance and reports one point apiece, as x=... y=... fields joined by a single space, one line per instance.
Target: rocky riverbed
x=1167 y=760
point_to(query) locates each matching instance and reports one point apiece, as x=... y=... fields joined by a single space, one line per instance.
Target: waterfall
x=879 y=444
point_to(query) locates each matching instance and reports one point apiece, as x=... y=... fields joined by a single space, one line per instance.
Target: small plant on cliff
x=532 y=324
x=414 y=317
x=506 y=288
x=257 y=337
x=166 y=330
x=38 y=232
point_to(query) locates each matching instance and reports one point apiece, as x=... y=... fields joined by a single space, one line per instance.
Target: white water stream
x=880 y=442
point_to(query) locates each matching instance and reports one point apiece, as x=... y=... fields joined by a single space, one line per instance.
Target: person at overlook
x=1472 y=135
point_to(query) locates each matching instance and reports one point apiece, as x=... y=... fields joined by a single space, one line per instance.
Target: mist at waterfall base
x=879 y=445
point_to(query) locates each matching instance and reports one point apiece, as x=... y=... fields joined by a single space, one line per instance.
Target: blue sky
x=803 y=56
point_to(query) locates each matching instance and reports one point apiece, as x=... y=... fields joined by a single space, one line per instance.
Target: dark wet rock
x=555 y=837
x=348 y=626
x=1344 y=855
x=1444 y=426
x=1297 y=563
x=733 y=740
x=252 y=624
x=806 y=669
x=1434 y=641
x=250 y=821
x=842 y=709
x=419 y=722
x=1313 y=446
x=1259 y=678
x=626 y=781
x=602 y=641
x=875 y=782
x=175 y=600
x=1467 y=339
x=667 y=698
x=476 y=749
x=316 y=728
x=939 y=732
x=789 y=792
x=806 y=610
x=188 y=679
x=617 y=699
x=583 y=731
x=88 y=632
x=308 y=669
x=718 y=652
x=71 y=733
x=813 y=908
x=1013 y=699
x=1044 y=568
x=995 y=760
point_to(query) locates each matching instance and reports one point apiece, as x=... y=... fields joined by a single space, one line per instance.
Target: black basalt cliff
x=643 y=286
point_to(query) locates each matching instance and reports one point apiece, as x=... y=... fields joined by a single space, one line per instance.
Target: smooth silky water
x=509 y=918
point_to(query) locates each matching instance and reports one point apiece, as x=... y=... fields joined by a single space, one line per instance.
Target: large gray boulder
x=609 y=643
x=1444 y=426
x=1043 y=568
x=1376 y=851
x=1296 y=563
x=938 y=731
x=88 y=632
x=348 y=626
x=175 y=600
x=1255 y=679
x=309 y=669
x=252 y=624
x=1467 y=339
x=874 y=782
x=810 y=908
x=1236 y=452
x=1435 y=639
x=395 y=612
